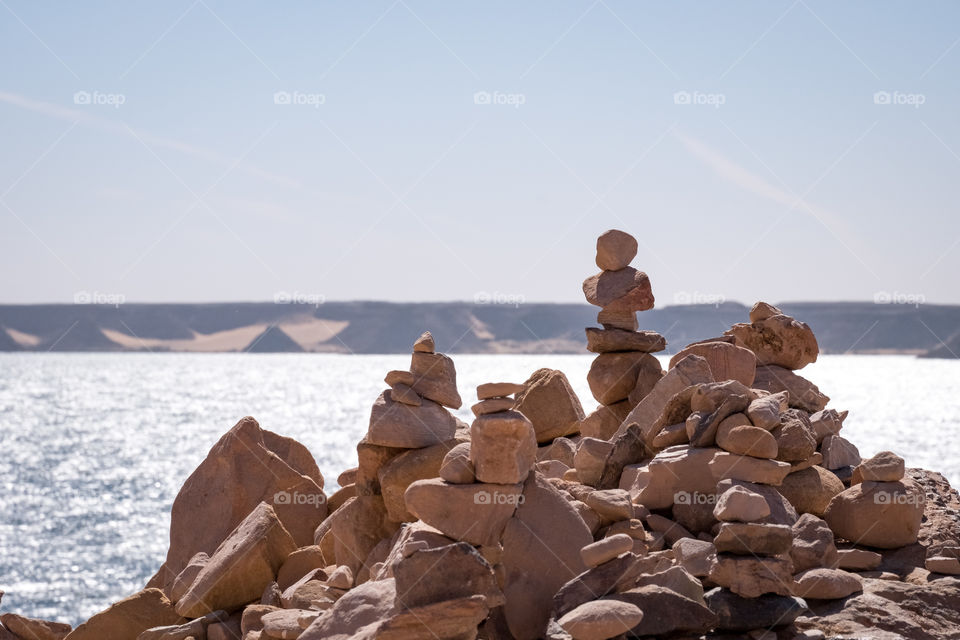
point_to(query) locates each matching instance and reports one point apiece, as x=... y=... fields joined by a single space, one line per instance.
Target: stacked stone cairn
x=624 y=372
x=716 y=497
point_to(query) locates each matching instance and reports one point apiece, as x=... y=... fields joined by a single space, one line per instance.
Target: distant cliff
x=459 y=327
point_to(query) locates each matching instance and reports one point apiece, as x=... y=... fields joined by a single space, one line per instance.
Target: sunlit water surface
x=94 y=447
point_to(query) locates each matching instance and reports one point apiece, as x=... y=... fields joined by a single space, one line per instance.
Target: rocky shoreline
x=714 y=499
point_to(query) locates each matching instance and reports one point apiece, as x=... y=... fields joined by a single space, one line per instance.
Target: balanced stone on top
x=498 y=390
x=424 y=343
x=615 y=250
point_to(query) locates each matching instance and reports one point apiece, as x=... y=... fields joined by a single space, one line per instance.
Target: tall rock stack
x=624 y=372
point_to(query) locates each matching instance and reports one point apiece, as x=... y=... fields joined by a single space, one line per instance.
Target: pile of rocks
x=717 y=497
x=624 y=372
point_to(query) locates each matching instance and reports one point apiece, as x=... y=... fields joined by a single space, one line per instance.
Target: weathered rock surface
x=613 y=340
x=777 y=339
x=474 y=513
x=549 y=403
x=128 y=618
x=399 y=425
x=727 y=361
x=878 y=514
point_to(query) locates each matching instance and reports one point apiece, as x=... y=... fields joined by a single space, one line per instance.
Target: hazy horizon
x=407 y=151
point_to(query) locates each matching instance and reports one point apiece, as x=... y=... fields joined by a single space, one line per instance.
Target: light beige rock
x=671 y=530
x=941 y=564
x=826 y=584
x=549 y=403
x=795 y=440
x=858 y=559
x=435 y=378
x=739 y=504
x=763 y=310
x=491 y=390
x=474 y=513
x=604 y=422
x=252 y=618
x=562 y=449
x=341 y=578
x=694 y=555
x=613 y=340
x=753 y=538
x=241 y=566
x=624 y=290
x=886 y=466
x=457 y=467
x=398 y=425
x=736 y=467
x=611 y=504
x=885 y=515
x=613 y=376
x=778 y=340
x=356 y=529
x=615 y=250
x=826 y=422
x=283 y=624
x=727 y=361
x=737 y=434
x=503 y=447
x=838 y=452
x=365 y=605
x=127 y=618
x=186 y=577
x=608 y=548
x=677 y=474
x=764 y=412
x=601 y=619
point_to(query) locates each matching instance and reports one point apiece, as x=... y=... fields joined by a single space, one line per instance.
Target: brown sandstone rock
x=753 y=538
x=245 y=467
x=624 y=290
x=498 y=390
x=613 y=340
x=425 y=343
x=795 y=441
x=474 y=513
x=737 y=435
x=457 y=467
x=739 y=504
x=186 y=577
x=624 y=320
x=449 y=619
x=726 y=465
x=878 y=514
x=398 y=425
x=811 y=490
x=445 y=573
x=541 y=551
x=356 y=528
x=750 y=576
x=503 y=447
x=803 y=393
x=605 y=420
x=241 y=566
x=608 y=548
x=826 y=584
x=615 y=250
x=550 y=404
x=406 y=395
x=613 y=376
x=813 y=544
x=492 y=405
x=435 y=378
x=886 y=466
x=778 y=340
x=727 y=361
x=838 y=452
x=298 y=564
x=357 y=614
x=601 y=619
x=412 y=465
x=764 y=412
x=128 y=618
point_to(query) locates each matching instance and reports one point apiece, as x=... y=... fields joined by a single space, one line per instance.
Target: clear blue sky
x=788 y=181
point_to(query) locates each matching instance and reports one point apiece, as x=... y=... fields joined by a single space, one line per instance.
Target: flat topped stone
x=394 y=424
x=601 y=619
x=490 y=390
x=615 y=250
x=424 y=343
x=886 y=466
x=492 y=405
x=613 y=340
x=624 y=290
